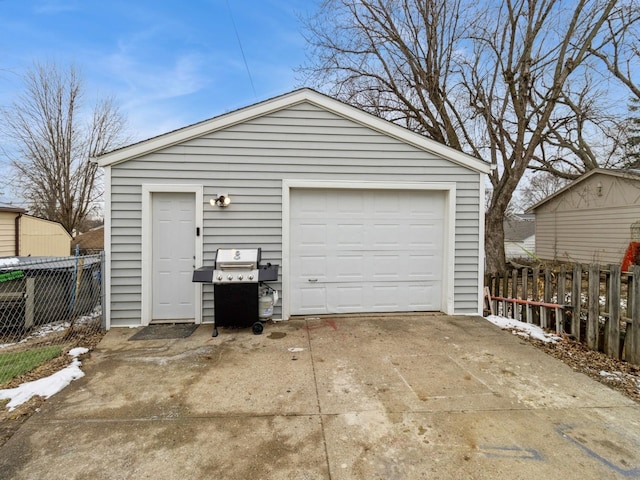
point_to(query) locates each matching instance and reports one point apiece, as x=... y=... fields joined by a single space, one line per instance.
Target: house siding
x=520 y=249
x=249 y=161
x=7 y=234
x=590 y=223
x=40 y=237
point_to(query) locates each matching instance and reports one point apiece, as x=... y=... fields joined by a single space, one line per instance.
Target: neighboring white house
x=383 y=219
x=520 y=236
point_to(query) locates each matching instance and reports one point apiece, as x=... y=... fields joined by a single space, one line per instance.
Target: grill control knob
x=229 y=277
x=250 y=276
x=219 y=277
x=240 y=277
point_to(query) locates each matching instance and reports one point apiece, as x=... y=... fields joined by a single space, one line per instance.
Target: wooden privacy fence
x=597 y=306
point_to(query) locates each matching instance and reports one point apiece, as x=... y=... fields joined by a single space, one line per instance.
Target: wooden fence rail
x=597 y=306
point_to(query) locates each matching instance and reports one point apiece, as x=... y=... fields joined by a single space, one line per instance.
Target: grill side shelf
x=203 y=275
x=267 y=273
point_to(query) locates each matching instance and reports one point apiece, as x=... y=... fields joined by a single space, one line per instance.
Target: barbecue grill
x=236 y=279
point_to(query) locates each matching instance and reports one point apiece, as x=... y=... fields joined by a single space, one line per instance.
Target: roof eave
x=589 y=174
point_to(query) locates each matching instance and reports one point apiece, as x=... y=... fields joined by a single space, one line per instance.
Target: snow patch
x=523 y=329
x=48 y=386
x=9 y=262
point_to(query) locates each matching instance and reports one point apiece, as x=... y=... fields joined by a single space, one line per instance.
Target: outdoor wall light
x=222 y=200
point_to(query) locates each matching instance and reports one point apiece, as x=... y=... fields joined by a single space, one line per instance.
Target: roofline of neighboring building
x=50 y=221
x=632 y=174
x=12 y=209
x=283 y=101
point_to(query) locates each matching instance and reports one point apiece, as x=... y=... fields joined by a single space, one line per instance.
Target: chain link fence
x=47 y=306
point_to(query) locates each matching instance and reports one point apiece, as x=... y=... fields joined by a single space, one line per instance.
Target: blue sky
x=168 y=63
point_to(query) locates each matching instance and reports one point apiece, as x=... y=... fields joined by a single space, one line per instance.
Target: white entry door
x=173 y=256
x=366 y=250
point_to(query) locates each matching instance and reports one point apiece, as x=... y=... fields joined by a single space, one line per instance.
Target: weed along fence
x=597 y=306
x=47 y=305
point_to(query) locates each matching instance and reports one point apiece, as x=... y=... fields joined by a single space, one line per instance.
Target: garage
x=360 y=214
x=366 y=250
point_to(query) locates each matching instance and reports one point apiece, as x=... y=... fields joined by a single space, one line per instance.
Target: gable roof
x=518 y=230
x=284 y=101
x=628 y=174
x=90 y=240
x=12 y=209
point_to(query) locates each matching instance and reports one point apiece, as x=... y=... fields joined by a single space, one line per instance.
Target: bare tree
x=540 y=186
x=52 y=139
x=510 y=82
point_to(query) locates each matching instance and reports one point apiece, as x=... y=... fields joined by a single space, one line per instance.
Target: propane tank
x=265 y=304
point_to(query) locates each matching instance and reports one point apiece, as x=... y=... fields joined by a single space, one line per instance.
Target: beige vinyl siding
x=39 y=237
x=7 y=234
x=590 y=223
x=599 y=235
x=249 y=161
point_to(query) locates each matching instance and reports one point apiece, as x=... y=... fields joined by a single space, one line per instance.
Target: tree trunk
x=494 y=239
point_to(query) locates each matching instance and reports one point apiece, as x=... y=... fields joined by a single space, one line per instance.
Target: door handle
x=313 y=280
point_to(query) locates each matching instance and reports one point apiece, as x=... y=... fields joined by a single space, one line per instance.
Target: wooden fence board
x=593 y=317
x=560 y=313
x=525 y=294
x=632 y=338
x=612 y=332
x=576 y=300
x=534 y=294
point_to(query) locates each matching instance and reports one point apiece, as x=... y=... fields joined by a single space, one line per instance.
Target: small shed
x=590 y=219
x=361 y=214
x=26 y=235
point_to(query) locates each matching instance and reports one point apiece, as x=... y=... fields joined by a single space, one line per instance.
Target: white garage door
x=366 y=250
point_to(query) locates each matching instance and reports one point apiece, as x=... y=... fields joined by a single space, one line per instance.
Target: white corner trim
x=481 y=252
x=147 y=244
x=449 y=188
x=106 y=279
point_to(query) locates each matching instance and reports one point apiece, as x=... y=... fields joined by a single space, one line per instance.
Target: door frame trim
x=147 y=244
x=449 y=190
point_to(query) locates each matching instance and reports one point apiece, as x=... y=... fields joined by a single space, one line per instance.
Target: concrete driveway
x=391 y=397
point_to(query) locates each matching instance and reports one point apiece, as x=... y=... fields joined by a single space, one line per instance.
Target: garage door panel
x=349 y=235
x=385 y=235
x=386 y=297
x=380 y=251
x=423 y=236
x=312 y=235
x=422 y=267
x=384 y=267
x=313 y=267
x=347 y=268
x=420 y=297
x=310 y=300
x=346 y=299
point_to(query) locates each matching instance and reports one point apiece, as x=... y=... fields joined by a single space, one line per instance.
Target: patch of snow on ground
x=523 y=329
x=619 y=377
x=48 y=386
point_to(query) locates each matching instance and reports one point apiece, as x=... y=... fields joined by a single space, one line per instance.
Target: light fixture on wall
x=222 y=200
x=599 y=189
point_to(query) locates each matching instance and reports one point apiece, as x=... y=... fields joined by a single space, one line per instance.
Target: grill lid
x=237 y=259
